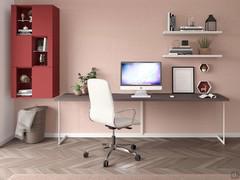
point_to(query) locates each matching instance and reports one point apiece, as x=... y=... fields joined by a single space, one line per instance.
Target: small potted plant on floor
x=204 y=44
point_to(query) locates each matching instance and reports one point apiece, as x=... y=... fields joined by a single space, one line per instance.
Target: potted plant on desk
x=81 y=86
x=77 y=89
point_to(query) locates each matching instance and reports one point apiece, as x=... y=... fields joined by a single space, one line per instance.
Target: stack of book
x=181 y=50
x=24 y=92
x=24 y=31
x=191 y=28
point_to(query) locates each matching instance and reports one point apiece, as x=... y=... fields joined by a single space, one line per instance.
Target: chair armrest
x=126 y=110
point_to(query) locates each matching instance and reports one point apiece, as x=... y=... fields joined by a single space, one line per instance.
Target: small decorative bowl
x=24 y=79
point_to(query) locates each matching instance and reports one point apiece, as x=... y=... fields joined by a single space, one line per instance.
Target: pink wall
x=103 y=33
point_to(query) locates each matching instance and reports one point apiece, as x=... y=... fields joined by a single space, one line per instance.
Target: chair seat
x=121 y=122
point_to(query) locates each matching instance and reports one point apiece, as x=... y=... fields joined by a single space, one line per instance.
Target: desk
x=154 y=97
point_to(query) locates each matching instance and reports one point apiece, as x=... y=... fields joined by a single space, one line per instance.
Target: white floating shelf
x=193 y=56
x=192 y=32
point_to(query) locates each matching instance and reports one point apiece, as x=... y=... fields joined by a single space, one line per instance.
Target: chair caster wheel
x=133 y=147
x=137 y=157
x=105 y=163
x=85 y=154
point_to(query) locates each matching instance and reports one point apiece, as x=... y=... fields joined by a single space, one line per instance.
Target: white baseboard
x=145 y=135
x=6 y=140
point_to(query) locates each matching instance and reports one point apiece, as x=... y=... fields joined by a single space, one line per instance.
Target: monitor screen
x=141 y=74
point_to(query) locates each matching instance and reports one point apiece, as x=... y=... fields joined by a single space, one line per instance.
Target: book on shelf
x=173 y=54
x=25 y=30
x=25 y=20
x=24 y=92
x=191 y=28
x=20 y=94
x=44 y=44
x=182 y=47
x=41 y=45
x=181 y=50
x=22 y=34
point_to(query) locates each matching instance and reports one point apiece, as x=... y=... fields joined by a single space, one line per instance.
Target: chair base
x=117 y=147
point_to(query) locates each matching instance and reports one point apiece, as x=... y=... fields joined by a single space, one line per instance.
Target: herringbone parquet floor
x=159 y=156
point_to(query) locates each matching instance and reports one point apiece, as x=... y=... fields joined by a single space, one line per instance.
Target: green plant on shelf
x=204 y=42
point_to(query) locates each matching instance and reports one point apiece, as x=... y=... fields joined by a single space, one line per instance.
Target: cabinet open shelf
x=40 y=55
x=21 y=85
x=24 y=24
x=192 y=32
x=194 y=56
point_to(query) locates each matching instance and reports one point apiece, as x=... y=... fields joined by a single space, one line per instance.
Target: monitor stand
x=141 y=94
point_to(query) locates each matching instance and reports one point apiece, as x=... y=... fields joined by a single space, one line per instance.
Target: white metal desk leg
x=142 y=116
x=59 y=121
x=222 y=140
x=60 y=140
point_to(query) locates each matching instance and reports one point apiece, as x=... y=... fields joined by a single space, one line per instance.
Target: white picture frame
x=183 y=79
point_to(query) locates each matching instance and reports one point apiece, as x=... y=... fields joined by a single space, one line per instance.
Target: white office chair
x=102 y=111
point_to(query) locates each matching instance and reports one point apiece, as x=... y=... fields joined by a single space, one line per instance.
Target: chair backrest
x=101 y=101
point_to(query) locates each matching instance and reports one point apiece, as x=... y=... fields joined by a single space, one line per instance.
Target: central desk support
x=155 y=97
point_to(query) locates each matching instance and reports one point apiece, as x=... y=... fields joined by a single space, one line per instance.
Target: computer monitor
x=141 y=76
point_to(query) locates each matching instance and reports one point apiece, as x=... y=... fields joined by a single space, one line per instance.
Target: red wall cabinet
x=35 y=51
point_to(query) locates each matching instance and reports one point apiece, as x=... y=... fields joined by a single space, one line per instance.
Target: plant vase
x=77 y=92
x=204 y=51
x=84 y=90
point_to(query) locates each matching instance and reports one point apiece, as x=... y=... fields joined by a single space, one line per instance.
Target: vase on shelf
x=204 y=51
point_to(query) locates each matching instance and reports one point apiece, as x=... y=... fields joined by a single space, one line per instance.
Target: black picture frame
x=185 y=76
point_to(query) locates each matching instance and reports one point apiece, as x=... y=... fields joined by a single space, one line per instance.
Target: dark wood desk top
x=154 y=97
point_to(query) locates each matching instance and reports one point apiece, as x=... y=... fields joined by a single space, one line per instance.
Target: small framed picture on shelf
x=183 y=79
